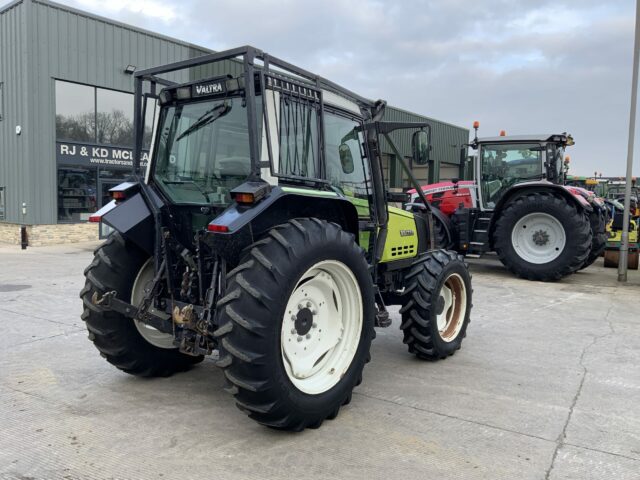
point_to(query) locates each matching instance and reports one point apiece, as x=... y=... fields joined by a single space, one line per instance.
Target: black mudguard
x=246 y=224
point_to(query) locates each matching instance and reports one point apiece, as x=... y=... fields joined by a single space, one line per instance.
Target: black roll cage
x=273 y=72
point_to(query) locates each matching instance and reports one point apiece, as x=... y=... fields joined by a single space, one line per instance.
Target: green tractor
x=261 y=234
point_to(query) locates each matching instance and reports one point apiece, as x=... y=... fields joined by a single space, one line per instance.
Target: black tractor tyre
x=573 y=220
x=597 y=220
x=423 y=301
x=115 y=266
x=251 y=316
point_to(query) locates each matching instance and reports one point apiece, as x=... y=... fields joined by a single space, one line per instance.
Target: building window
x=2 y=203
x=114 y=118
x=86 y=114
x=75 y=112
x=77 y=194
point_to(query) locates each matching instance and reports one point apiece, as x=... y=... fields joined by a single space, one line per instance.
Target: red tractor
x=519 y=207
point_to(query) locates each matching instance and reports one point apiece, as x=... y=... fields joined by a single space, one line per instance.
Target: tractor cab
x=503 y=162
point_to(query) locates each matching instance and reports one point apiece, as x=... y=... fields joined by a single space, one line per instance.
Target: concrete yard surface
x=546 y=385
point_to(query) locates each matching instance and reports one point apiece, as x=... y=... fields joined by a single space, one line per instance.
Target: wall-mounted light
x=129 y=69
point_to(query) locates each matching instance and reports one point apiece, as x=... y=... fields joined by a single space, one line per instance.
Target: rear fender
x=246 y=224
x=133 y=219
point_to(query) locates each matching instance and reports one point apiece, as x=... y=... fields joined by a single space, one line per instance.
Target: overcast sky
x=523 y=66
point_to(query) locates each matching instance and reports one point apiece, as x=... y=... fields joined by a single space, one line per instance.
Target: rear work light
x=123 y=191
x=250 y=192
x=244 y=197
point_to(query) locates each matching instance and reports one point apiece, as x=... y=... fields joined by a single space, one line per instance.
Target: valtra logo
x=204 y=89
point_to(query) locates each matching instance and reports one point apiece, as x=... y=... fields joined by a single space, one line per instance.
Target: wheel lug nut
x=314 y=325
x=308 y=336
x=300 y=306
x=294 y=318
x=299 y=339
x=314 y=312
x=308 y=304
x=293 y=331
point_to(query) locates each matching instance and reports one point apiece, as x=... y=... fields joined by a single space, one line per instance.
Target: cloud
x=521 y=65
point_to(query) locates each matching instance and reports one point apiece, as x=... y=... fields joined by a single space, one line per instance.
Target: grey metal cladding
x=41 y=41
x=13 y=153
x=446 y=139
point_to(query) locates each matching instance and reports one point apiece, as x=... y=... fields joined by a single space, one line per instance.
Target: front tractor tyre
x=436 y=304
x=131 y=346
x=296 y=324
x=542 y=236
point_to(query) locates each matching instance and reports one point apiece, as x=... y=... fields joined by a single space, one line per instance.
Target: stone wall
x=40 y=235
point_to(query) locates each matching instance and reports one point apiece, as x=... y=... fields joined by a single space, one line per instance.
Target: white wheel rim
x=538 y=238
x=451 y=307
x=140 y=286
x=321 y=327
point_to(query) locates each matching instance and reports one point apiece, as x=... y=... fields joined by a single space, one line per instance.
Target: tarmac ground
x=546 y=386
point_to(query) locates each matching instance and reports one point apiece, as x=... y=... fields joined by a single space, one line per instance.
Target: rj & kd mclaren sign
x=102 y=156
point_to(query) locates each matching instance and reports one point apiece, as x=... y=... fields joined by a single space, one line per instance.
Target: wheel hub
x=303 y=321
x=141 y=286
x=321 y=327
x=540 y=237
x=451 y=307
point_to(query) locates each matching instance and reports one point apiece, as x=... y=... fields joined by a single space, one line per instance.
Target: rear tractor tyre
x=296 y=324
x=542 y=236
x=597 y=220
x=131 y=346
x=437 y=304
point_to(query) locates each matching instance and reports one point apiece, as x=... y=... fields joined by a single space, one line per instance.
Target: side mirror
x=346 y=159
x=420 y=147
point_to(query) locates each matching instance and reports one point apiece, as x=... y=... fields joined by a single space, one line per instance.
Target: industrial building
x=66 y=117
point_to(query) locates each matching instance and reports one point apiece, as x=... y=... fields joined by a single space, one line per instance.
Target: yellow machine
x=614 y=240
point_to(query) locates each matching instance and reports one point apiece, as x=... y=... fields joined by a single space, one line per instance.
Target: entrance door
x=103 y=198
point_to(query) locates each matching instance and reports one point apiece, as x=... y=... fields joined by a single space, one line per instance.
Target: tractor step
x=472 y=255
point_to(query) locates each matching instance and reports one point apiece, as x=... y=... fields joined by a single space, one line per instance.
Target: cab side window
x=347 y=169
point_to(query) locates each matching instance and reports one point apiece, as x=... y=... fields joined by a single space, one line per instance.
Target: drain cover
x=7 y=287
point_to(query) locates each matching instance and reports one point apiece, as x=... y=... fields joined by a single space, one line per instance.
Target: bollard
x=24 y=240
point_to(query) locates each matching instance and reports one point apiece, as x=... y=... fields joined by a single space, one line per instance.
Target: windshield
x=203 y=150
x=503 y=165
